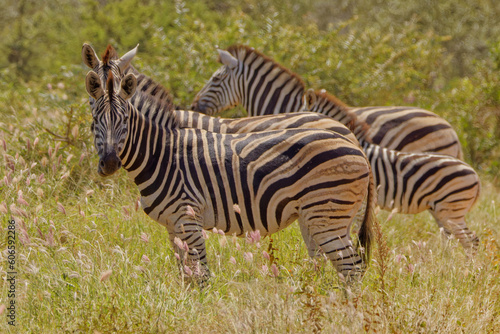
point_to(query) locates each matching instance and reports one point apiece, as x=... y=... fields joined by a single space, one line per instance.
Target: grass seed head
x=248 y=256
x=188 y=271
x=275 y=270
x=144 y=237
x=145 y=259
x=3 y=208
x=61 y=208
x=105 y=275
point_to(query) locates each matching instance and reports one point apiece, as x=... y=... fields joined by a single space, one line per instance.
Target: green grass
x=63 y=250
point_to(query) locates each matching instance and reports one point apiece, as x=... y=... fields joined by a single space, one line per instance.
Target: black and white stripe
x=406 y=129
x=155 y=102
x=190 y=179
x=415 y=182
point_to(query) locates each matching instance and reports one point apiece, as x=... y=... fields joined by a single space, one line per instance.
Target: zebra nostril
x=101 y=163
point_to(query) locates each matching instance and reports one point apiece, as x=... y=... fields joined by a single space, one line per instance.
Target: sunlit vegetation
x=89 y=260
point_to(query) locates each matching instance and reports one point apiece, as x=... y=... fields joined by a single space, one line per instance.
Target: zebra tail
x=365 y=234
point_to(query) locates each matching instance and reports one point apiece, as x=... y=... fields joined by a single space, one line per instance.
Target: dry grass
x=89 y=260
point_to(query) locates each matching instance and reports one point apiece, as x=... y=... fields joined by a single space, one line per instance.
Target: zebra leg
x=458 y=228
x=335 y=241
x=188 y=242
x=313 y=249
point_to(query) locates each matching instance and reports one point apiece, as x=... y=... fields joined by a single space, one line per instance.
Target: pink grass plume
x=105 y=275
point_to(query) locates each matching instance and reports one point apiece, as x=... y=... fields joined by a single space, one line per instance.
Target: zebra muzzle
x=109 y=164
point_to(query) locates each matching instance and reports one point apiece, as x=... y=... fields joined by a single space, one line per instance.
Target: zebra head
x=220 y=93
x=110 y=118
x=110 y=63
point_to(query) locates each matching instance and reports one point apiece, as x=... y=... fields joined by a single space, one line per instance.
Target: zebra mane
x=332 y=98
x=242 y=51
x=353 y=122
x=110 y=85
x=109 y=54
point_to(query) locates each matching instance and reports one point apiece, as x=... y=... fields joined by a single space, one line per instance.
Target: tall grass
x=89 y=259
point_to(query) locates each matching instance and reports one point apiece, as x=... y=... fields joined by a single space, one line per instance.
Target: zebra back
x=406 y=129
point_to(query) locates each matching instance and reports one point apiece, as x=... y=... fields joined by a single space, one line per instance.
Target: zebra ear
x=93 y=85
x=125 y=60
x=310 y=98
x=227 y=59
x=129 y=84
x=89 y=56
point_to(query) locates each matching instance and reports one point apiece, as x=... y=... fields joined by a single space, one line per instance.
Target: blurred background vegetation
x=439 y=55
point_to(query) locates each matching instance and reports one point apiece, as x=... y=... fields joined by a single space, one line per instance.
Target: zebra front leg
x=188 y=242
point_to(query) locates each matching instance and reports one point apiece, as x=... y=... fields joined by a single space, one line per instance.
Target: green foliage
x=74 y=226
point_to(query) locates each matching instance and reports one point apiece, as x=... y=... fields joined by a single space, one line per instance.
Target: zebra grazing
x=154 y=101
x=263 y=86
x=191 y=179
x=415 y=182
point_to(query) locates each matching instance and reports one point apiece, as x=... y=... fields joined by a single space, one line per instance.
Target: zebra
x=262 y=86
x=191 y=179
x=412 y=182
x=153 y=100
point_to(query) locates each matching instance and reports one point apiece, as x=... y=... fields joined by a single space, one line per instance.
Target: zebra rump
x=415 y=182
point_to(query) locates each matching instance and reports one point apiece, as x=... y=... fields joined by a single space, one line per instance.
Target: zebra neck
x=146 y=141
x=342 y=114
x=268 y=88
x=154 y=102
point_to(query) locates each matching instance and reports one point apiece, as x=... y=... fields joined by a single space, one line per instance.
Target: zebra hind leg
x=313 y=249
x=335 y=241
x=458 y=228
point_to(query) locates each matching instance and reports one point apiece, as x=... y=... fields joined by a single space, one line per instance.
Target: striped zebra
x=191 y=179
x=414 y=182
x=154 y=101
x=263 y=86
